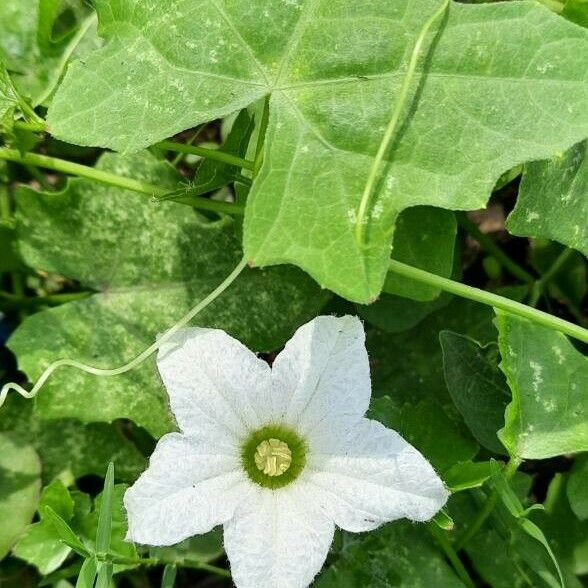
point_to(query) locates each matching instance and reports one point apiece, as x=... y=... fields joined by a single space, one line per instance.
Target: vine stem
x=153 y=561
x=139 y=359
x=221 y=156
x=491 y=299
x=509 y=471
x=491 y=247
x=393 y=124
x=451 y=554
x=91 y=173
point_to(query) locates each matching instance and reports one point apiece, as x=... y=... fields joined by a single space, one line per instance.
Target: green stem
x=180 y=156
x=399 y=105
x=509 y=471
x=553 y=270
x=215 y=154
x=452 y=556
x=50 y=300
x=491 y=299
x=69 y=50
x=91 y=173
x=491 y=247
x=36 y=127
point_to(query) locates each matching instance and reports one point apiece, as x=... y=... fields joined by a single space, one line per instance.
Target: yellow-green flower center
x=273 y=457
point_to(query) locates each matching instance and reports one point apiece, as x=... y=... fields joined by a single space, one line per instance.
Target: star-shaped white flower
x=279 y=456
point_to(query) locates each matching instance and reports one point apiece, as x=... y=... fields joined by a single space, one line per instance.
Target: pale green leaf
x=548 y=379
x=41 y=545
x=552 y=202
x=20 y=483
x=504 y=84
x=151 y=263
x=476 y=385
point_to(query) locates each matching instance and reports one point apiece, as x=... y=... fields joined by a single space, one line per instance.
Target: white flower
x=279 y=456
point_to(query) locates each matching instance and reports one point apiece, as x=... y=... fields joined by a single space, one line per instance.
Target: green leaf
x=65 y=532
x=88 y=524
x=577 y=487
x=150 y=263
x=331 y=74
x=104 y=576
x=105 y=516
x=576 y=11
x=87 y=574
x=41 y=545
x=424 y=238
x=467 y=475
x=9 y=99
x=427 y=427
x=548 y=379
x=168 y=578
x=68 y=448
x=476 y=385
x=552 y=201
x=20 y=484
x=400 y=555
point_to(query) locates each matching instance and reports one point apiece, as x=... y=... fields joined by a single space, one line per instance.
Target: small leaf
x=534 y=531
x=105 y=518
x=476 y=385
x=65 y=532
x=467 y=475
x=87 y=574
x=443 y=520
x=168 y=578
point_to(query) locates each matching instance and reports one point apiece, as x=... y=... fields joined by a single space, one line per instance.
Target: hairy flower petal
x=322 y=375
x=189 y=488
x=214 y=380
x=278 y=539
x=371 y=476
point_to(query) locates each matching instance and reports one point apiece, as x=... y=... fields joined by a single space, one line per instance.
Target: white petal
x=213 y=380
x=278 y=539
x=322 y=375
x=189 y=487
x=373 y=477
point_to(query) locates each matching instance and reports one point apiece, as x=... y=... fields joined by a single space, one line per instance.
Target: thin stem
x=399 y=105
x=139 y=359
x=91 y=173
x=491 y=247
x=69 y=50
x=452 y=556
x=553 y=270
x=153 y=561
x=491 y=299
x=215 y=154
x=509 y=471
x=50 y=300
x=180 y=156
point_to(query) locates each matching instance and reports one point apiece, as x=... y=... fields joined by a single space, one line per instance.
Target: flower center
x=273 y=457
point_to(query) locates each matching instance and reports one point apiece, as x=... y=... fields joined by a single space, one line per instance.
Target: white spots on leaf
x=558 y=354
x=537 y=374
x=532 y=216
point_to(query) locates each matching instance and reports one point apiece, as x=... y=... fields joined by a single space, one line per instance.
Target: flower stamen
x=273 y=457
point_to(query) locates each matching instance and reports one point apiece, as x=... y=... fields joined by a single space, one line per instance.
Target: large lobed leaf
x=149 y=263
x=504 y=84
